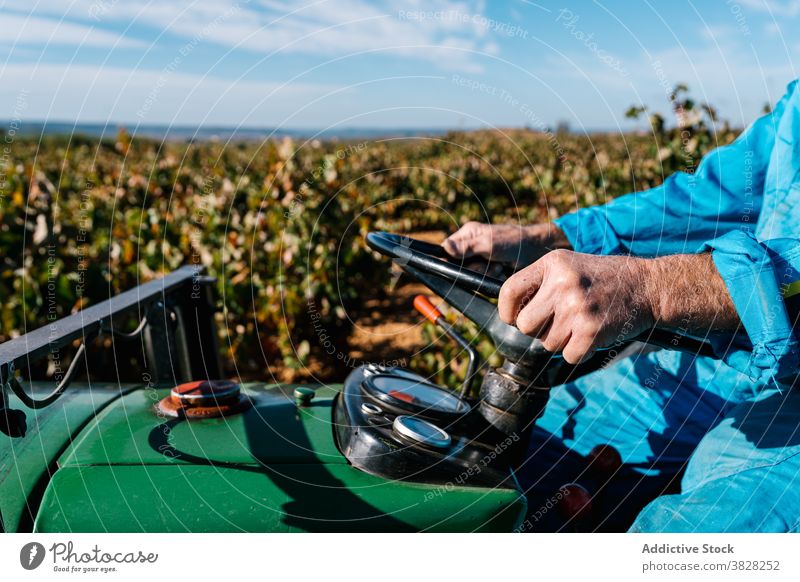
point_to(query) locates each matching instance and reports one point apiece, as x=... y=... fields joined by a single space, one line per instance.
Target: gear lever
x=426 y=308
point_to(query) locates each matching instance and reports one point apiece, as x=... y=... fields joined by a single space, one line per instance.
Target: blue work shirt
x=743 y=205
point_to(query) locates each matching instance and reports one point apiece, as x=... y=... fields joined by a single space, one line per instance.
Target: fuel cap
x=204 y=399
x=205 y=392
x=421 y=432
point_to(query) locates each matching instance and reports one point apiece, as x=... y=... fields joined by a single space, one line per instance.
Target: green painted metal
x=273 y=430
x=278 y=498
x=274 y=467
x=25 y=462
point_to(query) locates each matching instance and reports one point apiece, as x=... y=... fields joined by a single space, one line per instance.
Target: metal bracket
x=181 y=336
x=178 y=330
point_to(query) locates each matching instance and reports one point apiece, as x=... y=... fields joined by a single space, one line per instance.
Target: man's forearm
x=686 y=292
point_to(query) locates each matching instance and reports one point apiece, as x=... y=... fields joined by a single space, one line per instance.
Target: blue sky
x=353 y=63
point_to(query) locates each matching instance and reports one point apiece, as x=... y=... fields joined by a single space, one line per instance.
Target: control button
x=303 y=396
x=421 y=431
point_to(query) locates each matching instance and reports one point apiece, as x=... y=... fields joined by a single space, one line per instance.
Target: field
x=281 y=224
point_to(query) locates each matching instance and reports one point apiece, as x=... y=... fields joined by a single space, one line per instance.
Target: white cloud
x=32 y=30
x=415 y=29
x=787 y=8
x=719 y=32
x=343 y=27
x=97 y=94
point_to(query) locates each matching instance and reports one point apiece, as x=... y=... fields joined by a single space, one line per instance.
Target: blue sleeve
x=763 y=279
x=724 y=194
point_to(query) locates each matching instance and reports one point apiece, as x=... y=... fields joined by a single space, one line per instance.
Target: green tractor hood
x=272 y=468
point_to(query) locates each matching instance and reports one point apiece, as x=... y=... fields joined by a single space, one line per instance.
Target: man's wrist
x=547 y=235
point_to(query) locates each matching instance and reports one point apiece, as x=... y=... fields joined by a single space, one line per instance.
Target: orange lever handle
x=426 y=308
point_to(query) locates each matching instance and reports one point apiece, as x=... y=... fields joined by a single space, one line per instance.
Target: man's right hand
x=515 y=245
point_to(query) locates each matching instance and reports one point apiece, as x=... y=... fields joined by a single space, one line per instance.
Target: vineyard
x=281 y=223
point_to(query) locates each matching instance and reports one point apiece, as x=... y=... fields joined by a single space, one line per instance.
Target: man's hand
x=576 y=303
x=506 y=243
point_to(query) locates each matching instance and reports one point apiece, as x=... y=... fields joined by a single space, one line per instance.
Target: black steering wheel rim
x=433 y=258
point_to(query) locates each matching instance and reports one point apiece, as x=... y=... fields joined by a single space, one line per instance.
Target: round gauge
x=373 y=369
x=410 y=394
x=421 y=432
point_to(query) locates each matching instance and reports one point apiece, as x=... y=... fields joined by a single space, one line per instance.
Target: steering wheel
x=470 y=291
x=432 y=258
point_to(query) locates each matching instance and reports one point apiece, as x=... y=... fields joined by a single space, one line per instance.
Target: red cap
x=426 y=308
